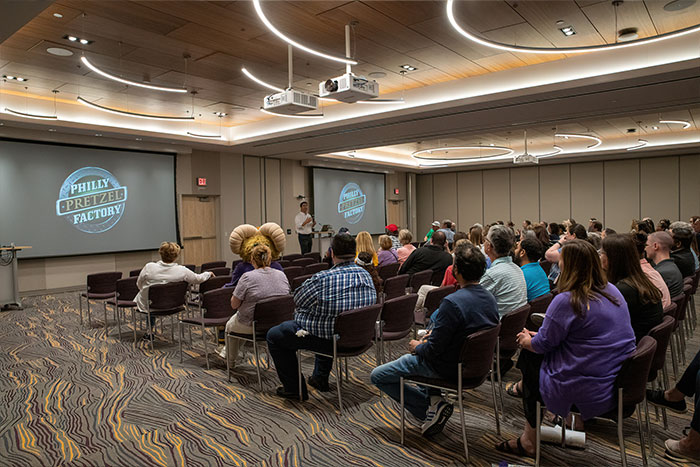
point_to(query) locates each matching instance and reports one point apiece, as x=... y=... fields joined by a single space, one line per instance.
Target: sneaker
x=656 y=397
x=318 y=383
x=673 y=452
x=435 y=419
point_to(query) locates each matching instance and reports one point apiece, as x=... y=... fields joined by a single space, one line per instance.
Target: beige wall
x=613 y=191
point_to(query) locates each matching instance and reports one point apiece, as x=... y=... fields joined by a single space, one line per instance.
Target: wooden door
x=199 y=230
x=396 y=213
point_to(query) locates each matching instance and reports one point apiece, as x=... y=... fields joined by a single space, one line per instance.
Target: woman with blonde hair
x=363 y=242
x=386 y=254
x=262 y=282
x=405 y=237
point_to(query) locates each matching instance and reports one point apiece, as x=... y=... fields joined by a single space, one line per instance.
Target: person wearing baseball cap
x=393 y=232
x=433 y=228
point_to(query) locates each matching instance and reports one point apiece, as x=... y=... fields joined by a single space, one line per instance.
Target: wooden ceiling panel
x=177 y=79
x=318 y=6
x=667 y=21
x=442 y=33
x=448 y=61
x=629 y=15
x=524 y=34
x=500 y=62
x=484 y=15
x=369 y=51
x=408 y=12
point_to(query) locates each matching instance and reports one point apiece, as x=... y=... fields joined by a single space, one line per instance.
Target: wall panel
x=587 y=190
x=659 y=188
x=496 y=195
x=621 y=194
x=524 y=195
x=253 y=189
x=445 y=196
x=689 y=186
x=273 y=208
x=424 y=202
x=555 y=195
x=470 y=200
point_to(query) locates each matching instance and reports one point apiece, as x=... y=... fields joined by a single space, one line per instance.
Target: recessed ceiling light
x=654 y=127
x=59 y=51
x=560 y=22
x=98 y=134
x=220 y=114
x=627 y=34
x=139 y=139
x=677 y=5
x=15 y=78
x=377 y=74
x=58 y=15
x=568 y=30
x=409 y=67
x=73 y=38
x=52 y=130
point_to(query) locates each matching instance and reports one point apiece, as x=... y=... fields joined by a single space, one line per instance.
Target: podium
x=9 y=278
x=324 y=240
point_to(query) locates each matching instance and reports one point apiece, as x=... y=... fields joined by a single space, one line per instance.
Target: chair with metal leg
x=219 y=272
x=212 y=265
x=475 y=365
x=388 y=271
x=315 y=255
x=662 y=334
x=314 y=268
x=538 y=305
x=124 y=299
x=431 y=303
x=164 y=300
x=511 y=324
x=395 y=322
x=420 y=278
x=395 y=286
x=134 y=272
x=100 y=287
x=298 y=281
x=303 y=262
x=215 y=310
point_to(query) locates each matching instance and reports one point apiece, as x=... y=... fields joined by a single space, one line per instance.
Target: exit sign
x=201 y=181
x=396 y=191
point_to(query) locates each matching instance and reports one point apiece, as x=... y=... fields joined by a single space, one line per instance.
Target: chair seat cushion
x=261 y=335
x=206 y=321
x=467 y=383
x=353 y=351
x=165 y=311
x=97 y=296
x=395 y=335
x=122 y=303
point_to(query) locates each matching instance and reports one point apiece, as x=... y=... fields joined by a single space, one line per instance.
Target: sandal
x=512 y=390
x=518 y=451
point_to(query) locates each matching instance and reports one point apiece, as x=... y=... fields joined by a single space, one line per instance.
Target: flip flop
x=512 y=390
x=518 y=451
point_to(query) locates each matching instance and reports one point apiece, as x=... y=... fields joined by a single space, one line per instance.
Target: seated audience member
x=686 y=449
x=393 y=232
x=262 y=282
x=594 y=225
x=573 y=231
x=527 y=256
x=695 y=223
x=458 y=236
x=658 y=252
x=327 y=258
x=364 y=260
x=468 y=310
x=595 y=239
x=619 y=260
x=407 y=248
x=503 y=279
x=447 y=230
x=433 y=228
x=386 y=254
x=448 y=278
x=476 y=237
x=554 y=232
x=319 y=300
x=541 y=235
x=663 y=225
x=162 y=272
x=681 y=253
x=431 y=256
x=607 y=231
x=640 y=241
x=650 y=224
x=576 y=355
x=364 y=243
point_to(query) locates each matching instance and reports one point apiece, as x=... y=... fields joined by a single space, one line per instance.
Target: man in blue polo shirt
x=527 y=256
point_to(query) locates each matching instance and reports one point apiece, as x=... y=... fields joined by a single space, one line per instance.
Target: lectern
x=9 y=279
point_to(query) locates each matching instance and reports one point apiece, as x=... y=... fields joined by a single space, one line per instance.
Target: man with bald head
x=658 y=252
x=431 y=256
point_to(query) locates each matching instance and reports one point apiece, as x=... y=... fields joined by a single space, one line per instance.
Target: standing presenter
x=304 y=224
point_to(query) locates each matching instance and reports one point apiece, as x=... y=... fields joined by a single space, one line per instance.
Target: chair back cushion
x=314 y=268
x=217 y=303
x=103 y=282
x=541 y=303
x=397 y=313
x=662 y=334
x=297 y=281
x=356 y=327
x=477 y=353
x=212 y=265
x=292 y=257
x=395 y=286
x=272 y=311
x=293 y=271
x=390 y=270
x=434 y=297
x=222 y=271
x=167 y=296
x=191 y=267
x=127 y=289
x=303 y=262
x=314 y=255
x=632 y=377
x=670 y=309
x=215 y=282
x=546 y=265
x=436 y=278
x=680 y=301
x=511 y=325
x=420 y=278
x=284 y=263
x=134 y=272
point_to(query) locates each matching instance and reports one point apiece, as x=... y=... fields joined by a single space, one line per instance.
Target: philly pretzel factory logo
x=351 y=203
x=91 y=200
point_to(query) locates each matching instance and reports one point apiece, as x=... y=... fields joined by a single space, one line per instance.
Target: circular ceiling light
x=377 y=74
x=677 y=5
x=561 y=50
x=484 y=151
x=57 y=15
x=60 y=51
x=627 y=34
x=596 y=141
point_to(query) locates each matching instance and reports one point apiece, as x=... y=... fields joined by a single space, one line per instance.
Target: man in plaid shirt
x=319 y=300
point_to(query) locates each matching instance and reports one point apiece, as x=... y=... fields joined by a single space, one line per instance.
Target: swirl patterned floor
x=70 y=396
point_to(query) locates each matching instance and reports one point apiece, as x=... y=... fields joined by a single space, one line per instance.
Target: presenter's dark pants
x=305 y=242
x=283 y=343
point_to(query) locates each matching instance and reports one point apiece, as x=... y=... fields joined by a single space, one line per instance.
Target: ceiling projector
x=290 y=102
x=525 y=159
x=349 y=88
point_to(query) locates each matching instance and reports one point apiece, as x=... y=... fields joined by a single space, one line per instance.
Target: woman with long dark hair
x=576 y=355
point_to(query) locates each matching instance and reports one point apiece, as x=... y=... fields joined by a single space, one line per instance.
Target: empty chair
x=292 y=257
x=165 y=300
x=353 y=336
x=511 y=325
x=436 y=278
x=293 y=271
x=284 y=263
x=268 y=313
x=395 y=321
x=432 y=301
x=315 y=255
x=215 y=311
x=538 y=305
x=662 y=335
x=303 y=262
x=475 y=365
x=315 y=267
x=216 y=282
x=211 y=265
x=123 y=298
x=297 y=281
x=390 y=270
x=395 y=286
x=420 y=278
x=220 y=271
x=134 y=272
x=100 y=287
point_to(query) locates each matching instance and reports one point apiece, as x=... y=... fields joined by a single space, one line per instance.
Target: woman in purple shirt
x=386 y=255
x=575 y=356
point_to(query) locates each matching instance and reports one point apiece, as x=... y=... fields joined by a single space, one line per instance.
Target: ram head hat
x=245 y=237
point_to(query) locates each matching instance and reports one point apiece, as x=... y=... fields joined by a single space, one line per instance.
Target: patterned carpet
x=68 y=396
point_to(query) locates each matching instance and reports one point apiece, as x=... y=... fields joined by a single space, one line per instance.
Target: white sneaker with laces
x=436 y=418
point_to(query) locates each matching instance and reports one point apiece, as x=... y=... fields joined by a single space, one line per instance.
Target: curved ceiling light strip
x=262 y=83
x=27 y=115
x=417 y=154
x=382 y=101
x=291 y=116
x=445 y=163
x=197 y=135
x=642 y=143
x=557 y=150
x=552 y=50
x=597 y=140
x=685 y=124
x=126 y=81
x=133 y=114
x=278 y=33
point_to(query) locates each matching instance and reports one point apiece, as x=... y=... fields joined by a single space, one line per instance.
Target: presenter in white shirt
x=304 y=224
